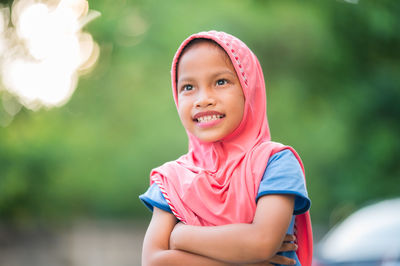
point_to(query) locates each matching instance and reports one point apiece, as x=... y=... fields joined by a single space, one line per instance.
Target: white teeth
x=208 y=118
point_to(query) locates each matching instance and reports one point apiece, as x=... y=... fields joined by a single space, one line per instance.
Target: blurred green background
x=332 y=73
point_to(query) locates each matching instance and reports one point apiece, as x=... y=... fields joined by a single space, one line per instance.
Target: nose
x=205 y=97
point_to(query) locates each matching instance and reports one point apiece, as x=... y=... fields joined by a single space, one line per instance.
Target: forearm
x=177 y=257
x=156 y=249
x=240 y=243
x=235 y=243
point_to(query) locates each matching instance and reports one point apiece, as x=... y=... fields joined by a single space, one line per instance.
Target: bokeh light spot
x=45 y=50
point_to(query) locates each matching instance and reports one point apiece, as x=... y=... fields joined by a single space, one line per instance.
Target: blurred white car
x=370 y=236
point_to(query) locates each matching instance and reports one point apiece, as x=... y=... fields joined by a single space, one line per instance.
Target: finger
x=288 y=247
x=289 y=238
x=282 y=260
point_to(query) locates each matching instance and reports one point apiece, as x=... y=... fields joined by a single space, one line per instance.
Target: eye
x=221 y=82
x=187 y=87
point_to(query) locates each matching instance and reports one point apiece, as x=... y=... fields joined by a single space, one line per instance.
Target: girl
x=235 y=193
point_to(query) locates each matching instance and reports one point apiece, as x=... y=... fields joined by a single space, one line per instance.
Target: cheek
x=240 y=104
x=183 y=111
x=239 y=114
x=243 y=106
x=180 y=112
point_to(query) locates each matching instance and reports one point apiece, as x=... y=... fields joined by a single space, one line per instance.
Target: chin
x=209 y=139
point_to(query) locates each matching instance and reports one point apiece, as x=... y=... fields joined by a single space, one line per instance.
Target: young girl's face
x=210 y=97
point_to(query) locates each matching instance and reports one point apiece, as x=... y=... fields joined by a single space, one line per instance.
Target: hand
x=287 y=245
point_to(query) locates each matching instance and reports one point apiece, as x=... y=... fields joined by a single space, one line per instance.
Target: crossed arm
x=233 y=244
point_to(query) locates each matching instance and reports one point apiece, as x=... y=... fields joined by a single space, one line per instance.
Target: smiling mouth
x=208 y=118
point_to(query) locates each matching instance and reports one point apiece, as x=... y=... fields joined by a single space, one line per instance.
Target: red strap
x=304 y=239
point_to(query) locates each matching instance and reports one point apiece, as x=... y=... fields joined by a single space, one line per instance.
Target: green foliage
x=332 y=74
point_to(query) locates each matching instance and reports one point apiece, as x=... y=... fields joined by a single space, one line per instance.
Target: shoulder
x=284 y=175
x=283 y=155
x=284 y=165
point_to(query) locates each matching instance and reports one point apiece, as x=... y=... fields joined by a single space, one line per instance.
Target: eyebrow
x=225 y=72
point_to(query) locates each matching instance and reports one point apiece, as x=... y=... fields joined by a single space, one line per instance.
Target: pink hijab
x=217 y=183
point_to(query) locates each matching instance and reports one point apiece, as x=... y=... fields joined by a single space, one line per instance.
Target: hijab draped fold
x=217 y=183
